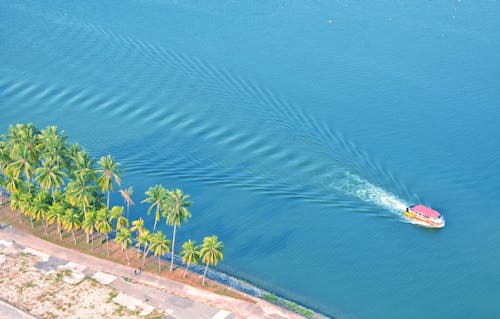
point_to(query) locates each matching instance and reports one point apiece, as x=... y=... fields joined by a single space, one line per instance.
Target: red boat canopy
x=426 y=211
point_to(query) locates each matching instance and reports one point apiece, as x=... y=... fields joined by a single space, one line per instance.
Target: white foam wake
x=354 y=185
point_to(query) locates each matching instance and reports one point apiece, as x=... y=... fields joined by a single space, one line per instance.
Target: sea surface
x=299 y=128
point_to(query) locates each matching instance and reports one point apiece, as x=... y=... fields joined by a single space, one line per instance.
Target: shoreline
x=221 y=286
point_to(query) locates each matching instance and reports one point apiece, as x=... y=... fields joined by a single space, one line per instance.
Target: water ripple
x=193 y=100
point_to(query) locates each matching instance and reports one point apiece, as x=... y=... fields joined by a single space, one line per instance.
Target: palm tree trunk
x=204 y=274
x=31 y=220
x=185 y=270
x=59 y=231
x=45 y=227
x=145 y=255
x=107 y=243
x=108 y=200
x=85 y=218
x=92 y=239
x=158 y=263
x=126 y=254
x=74 y=238
x=157 y=217
x=172 y=256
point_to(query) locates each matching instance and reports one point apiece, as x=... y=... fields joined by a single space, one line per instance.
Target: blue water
x=299 y=129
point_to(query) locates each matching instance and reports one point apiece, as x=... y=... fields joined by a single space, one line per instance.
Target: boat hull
x=424 y=222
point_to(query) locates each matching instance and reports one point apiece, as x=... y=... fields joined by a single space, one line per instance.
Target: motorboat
x=424 y=216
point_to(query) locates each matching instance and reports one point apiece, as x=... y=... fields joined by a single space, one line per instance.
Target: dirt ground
x=49 y=296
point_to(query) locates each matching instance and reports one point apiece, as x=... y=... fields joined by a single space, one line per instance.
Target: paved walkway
x=176 y=299
x=8 y=311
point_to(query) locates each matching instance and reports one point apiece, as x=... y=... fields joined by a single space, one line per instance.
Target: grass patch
x=298 y=309
x=111 y=296
x=271 y=298
x=29 y=284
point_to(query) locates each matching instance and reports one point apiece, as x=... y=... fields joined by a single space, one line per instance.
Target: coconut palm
x=25 y=205
x=23 y=164
x=50 y=176
x=12 y=183
x=137 y=225
x=82 y=163
x=160 y=245
x=176 y=212
x=116 y=213
x=71 y=221
x=109 y=171
x=56 y=215
x=124 y=239
x=2 y=181
x=144 y=238
x=81 y=192
x=54 y=145
x=190 y=254
x=103 y=225
x=88 y=224
x=4 y=162
x=211 y=252
x=15 y=200
x=22 y=142
x=40 y=209
x=127 y=197
x=156 y=195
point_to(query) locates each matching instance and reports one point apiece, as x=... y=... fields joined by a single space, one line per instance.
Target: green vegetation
x=53 y=182
x=211 y=252
x=298 y=309
x=272 y=298
x=190 y=254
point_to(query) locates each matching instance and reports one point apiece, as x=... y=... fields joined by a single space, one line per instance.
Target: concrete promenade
x=174 y=299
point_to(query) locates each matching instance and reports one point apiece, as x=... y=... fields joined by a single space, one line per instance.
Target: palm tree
x=116 y=213
x=144 y=238
x=156 y=195
x=15 y=202
x=190 y=254
x=22 y=138
x=160 y=245
x=40 y=208
x=124 y=239
x=56 y=215
x=54 y=145
x=126 y=194
x=109 y=171
x=71 y=221
x=11 y=181
x=81 y=192
x=103 y=225
x=4 y=162
x=176 y=210
x=50 y=176
x=82 y=163
x=137 y=225
x=23 y=164
x=211 y=252
x=25 y=206
x=88 y=224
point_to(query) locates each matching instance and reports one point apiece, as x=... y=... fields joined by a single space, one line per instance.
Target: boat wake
x=265 y=144
x=356 y=186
